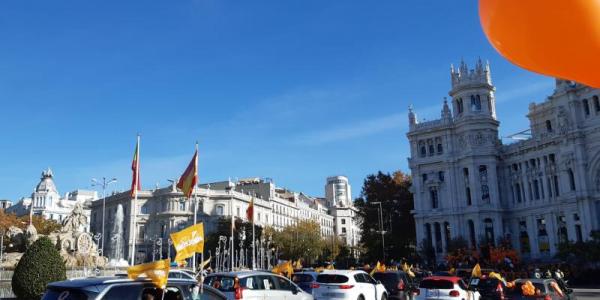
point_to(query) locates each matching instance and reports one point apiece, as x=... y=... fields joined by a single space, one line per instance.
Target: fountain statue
x=116 y=241
x=76 y=245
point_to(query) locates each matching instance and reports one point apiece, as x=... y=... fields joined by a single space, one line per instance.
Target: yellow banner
x=476 y=271
x=188 y=241
x=157 y=271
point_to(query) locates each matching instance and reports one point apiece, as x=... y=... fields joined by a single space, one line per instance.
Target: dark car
x=546 y=287
x=305 y=280
x=489 y=288
x=114 y=288
x=396 y=283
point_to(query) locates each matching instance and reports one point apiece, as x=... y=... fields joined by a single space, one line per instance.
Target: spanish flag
x=135 y=168
x=250 y=211
x=157 y=271
x=189 y=178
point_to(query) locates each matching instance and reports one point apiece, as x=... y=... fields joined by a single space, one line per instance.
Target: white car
x=444 y=288
x=179 y=273
x=255 y=285
x=348 y=284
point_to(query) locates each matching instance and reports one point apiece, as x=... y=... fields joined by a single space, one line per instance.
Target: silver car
x=255 y=285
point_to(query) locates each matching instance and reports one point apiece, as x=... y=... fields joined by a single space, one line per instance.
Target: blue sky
x=292 y=90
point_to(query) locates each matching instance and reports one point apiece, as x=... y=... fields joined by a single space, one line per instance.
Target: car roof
x=92 y=281
x=240 y=273
x=454 y=279
x=342 y=272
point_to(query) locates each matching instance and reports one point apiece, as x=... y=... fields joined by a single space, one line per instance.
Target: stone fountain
x=76 y=246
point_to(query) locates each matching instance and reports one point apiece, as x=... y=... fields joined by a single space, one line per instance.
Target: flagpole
x=253 y=244
x=135 y=198
x=231 y=252
x=195 y=207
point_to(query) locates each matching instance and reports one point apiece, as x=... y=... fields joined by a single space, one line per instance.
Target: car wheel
x=361 y=297
x=384 y=297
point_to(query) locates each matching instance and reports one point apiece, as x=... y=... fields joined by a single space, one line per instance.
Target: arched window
x=438 y=237
x=548 y=126
x=459 y=104
x=423 y=150
x=571 y=179
x=219 y=210
x=433 y=194
x=447 y=233
x=428 y=232
x=489 y=230
x=596 y=104
x=586 y=107
x=472 y=234
x=475 y=103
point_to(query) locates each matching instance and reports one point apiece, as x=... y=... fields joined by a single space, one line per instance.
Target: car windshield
x=65 y=294
x=332 y=278
x=386 y=278
x=297 y=278
x=439 y=284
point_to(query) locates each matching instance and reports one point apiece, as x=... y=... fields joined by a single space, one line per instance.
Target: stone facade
x=164 y=210
x=537 y=192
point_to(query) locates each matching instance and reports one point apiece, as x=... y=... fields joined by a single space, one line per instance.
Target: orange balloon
x=560 y=38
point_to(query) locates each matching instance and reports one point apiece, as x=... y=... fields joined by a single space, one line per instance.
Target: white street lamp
x=104 y=183
x=381 y=228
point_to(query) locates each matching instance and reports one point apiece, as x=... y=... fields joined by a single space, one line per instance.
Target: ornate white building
x=47 y=201
x=164 y=210
x=537 y=192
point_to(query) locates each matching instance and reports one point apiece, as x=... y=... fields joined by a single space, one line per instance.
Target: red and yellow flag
x=188 y=241
x=157 y=271
x=250 y=211
x=189 y=178
x=135 y=168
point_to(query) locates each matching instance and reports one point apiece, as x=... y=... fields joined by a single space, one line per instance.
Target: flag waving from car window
x=188 y=241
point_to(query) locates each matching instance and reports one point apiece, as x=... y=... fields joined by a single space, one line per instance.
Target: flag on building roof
x=189 y=178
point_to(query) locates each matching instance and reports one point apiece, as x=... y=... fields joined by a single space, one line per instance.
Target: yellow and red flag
x=157 y=271
x=189 y=178
x=188 y=241
x=135 y=168
x=250 y=211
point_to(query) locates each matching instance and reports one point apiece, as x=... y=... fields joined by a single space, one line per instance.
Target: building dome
x=46 y=183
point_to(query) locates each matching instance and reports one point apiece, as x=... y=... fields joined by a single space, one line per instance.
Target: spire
x=446 y=114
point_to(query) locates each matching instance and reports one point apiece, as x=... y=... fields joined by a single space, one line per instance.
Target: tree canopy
x=393 y=191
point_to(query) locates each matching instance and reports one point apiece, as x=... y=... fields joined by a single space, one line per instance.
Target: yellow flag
x=289 y=269
x=330 y=267
x=298 y=265
x=205 y=263
x=188 y=241
x=157 y=271
x=452 y=270
x=377 y=266
x=476 y=271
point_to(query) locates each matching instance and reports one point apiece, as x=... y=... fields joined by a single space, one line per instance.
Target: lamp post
x=103 y=184
x=381 y=229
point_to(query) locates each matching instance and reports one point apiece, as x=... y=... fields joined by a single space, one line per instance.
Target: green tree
x=301 y=240
x=40 y=265
x=393 y=191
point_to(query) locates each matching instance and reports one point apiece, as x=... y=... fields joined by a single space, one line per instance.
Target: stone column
x=533 y=236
